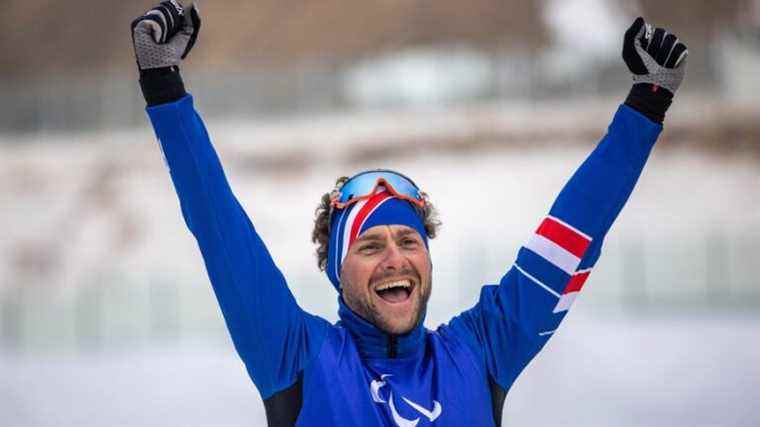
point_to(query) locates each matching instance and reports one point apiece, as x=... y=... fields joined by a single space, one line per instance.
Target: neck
x=375 y=343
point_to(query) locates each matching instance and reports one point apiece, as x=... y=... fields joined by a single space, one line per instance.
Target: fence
x=707 y=273
x=105 y=100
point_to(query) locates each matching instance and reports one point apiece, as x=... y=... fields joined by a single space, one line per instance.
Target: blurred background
x=106 y=314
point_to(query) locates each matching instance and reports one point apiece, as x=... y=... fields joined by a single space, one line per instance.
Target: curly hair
x=321 y=233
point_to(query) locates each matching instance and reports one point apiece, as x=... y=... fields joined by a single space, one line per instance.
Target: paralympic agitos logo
x=400 y=421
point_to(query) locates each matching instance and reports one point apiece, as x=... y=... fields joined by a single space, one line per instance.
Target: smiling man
x=379 y=366
x=373 y=246
x=386 y=278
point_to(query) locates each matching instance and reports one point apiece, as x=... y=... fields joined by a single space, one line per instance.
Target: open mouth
x=396 y=291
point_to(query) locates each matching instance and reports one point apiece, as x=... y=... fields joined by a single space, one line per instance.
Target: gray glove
x=654 y=56
x=164 y=36
x=657 y=61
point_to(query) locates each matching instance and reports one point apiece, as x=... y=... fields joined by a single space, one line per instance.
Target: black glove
x=657 y=61
x=162 y=38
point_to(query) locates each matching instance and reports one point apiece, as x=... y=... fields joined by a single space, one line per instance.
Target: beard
x=391 y=326
x=364 y=304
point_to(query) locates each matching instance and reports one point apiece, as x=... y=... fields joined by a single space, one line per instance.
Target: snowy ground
x=599 y=370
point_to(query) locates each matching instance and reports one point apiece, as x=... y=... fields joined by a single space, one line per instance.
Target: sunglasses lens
x=363 y=184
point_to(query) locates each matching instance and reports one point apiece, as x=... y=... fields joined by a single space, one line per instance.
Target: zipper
x=392 y=346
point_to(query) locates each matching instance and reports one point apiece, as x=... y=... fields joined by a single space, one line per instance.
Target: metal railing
x=707 y=273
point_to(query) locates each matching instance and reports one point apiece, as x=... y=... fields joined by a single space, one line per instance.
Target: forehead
x=381 y=232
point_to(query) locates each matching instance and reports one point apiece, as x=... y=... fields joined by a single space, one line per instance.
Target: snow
x=599 y=370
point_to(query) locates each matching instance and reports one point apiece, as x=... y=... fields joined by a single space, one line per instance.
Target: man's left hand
x=654 y=56
x=657 y=61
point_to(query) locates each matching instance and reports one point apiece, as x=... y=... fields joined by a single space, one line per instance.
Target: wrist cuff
x=161 y=85
x=650 y=100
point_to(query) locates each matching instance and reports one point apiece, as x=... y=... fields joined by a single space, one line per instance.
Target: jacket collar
x=376 y=344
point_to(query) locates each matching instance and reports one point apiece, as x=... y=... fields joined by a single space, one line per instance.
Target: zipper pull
x=392 y=346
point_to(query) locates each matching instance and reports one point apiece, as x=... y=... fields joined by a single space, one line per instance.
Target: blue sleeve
x=513 y=320
x=273 y=335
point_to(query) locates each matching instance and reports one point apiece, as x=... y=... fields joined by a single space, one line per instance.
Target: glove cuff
x=161 y=85
x=650 y=100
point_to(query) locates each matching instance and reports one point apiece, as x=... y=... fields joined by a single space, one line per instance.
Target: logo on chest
x=376 y=385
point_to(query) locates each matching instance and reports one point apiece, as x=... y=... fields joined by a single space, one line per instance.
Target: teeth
x=401 y=284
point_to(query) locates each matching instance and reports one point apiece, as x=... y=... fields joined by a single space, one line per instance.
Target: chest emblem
x=400 y=421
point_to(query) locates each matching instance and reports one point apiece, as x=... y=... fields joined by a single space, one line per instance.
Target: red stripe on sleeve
x=362 y=214
x=576 y=282
x=563 y=236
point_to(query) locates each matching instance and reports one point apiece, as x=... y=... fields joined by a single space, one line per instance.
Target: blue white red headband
x=349 y=223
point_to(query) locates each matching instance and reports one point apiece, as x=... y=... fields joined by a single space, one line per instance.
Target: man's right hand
x=164 y=36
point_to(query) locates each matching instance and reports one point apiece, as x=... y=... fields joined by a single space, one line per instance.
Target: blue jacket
x=310 y=372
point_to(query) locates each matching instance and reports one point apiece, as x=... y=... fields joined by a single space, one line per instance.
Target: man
x=378 y=366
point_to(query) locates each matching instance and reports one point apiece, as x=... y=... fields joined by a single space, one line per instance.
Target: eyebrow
x=380 y=236
x=405 y=232
x=373 y=236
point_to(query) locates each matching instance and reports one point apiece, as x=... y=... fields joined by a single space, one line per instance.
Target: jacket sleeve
x=512 y=321
x=273 y=335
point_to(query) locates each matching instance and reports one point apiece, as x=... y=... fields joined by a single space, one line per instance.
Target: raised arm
x=513 y=320
x=273 y=336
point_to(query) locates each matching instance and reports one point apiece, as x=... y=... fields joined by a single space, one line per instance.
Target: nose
x=394 y=260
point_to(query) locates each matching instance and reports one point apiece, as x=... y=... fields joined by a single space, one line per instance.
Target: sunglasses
x=366 y=184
